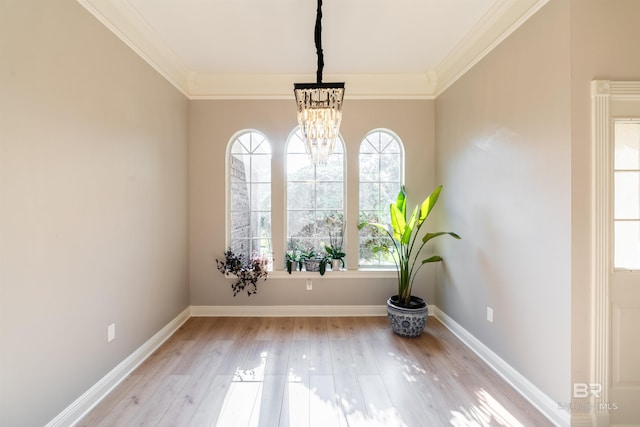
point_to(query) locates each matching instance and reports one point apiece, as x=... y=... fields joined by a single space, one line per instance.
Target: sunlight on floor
x=308 y=400
x=410 y=369
x=487 y=412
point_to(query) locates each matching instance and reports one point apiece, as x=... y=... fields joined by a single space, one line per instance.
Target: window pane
x=301 y=223
x=249 y=184
x=300 y=195
x=368 y=146
x=264 y=225
x=261 y=196
x=299 y=168
x=369 y=167
x=329 y=195
x=627 y=245
x=369 y=196
x=389 y=168
x=388 y=194
x=260 y=168
x=241 y=224
x=381 y=163
x=331 y=171
x=627 y=195
x=314 y=193
x=627 y=145
x=240 y=198
x=240 y=164
x=391 y=146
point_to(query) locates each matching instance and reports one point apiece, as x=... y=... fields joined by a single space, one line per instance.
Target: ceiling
x=235 y=49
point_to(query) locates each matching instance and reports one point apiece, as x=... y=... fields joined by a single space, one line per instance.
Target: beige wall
x=503 y=153
x=213 y=123
x=93 y=205
x=93 y=196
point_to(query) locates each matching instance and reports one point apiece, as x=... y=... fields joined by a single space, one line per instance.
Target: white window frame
x=396 y=138
x=340 y=142
x=228 y=182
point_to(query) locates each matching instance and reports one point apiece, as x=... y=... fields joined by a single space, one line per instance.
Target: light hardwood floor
x=313 y=371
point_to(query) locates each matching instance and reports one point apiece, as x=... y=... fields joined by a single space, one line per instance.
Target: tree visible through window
x=315 y=196
x=381 y=163
x=249 y=169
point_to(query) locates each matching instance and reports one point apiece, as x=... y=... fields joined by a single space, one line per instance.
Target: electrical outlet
x=111 y=332
x=309 y=284
x=489 y=314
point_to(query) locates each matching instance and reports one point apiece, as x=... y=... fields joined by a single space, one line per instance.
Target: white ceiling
x=257 y=48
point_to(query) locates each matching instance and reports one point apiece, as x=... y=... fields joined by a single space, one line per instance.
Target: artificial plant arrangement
x=248 y=271
x=405 y=244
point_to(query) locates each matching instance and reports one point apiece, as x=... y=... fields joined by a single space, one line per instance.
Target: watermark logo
x=584 y=390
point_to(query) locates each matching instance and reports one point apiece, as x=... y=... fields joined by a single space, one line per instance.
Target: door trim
x=602 y=93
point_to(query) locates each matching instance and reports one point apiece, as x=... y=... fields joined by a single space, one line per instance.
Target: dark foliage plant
x=248 y=271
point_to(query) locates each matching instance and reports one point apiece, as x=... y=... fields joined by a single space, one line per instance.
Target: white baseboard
x=292 y=311
x=288 y=311
x=74 y=412
x=528 y=390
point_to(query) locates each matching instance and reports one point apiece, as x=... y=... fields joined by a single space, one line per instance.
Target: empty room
x=319 y=213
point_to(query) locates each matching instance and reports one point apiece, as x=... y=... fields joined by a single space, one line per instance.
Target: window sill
x=343 y=274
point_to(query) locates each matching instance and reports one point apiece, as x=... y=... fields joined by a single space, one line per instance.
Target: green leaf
x=430 y=236
x=435 y=258
x=408 y=231
x=401 y=201
x=398 y=222
x=429 y=203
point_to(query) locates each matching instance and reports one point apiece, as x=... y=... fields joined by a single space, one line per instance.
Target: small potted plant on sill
x=311 y=260
x=293 y=260
x=407 y=313
x=248 y=271
x=335 y=253
x=335 y=256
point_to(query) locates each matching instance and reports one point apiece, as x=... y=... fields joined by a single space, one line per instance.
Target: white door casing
x=615 y=293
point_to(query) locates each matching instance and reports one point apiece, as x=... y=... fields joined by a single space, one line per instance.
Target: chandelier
x=319 y=107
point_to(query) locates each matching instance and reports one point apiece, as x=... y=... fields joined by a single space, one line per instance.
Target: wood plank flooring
x=312 y=371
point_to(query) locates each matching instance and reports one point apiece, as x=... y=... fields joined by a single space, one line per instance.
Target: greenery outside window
x=315 y=196
x=381 y=165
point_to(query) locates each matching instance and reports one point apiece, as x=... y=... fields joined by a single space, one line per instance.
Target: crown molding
x=499 y=22
x=125 y=22
x=266 y=86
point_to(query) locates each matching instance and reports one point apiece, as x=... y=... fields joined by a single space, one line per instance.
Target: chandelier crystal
x=319 y=107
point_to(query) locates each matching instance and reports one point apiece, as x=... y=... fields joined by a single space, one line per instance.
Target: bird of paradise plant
x=406 y=246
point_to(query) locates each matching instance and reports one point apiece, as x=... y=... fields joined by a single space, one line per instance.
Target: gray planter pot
x=312 y=265
x=405 y=321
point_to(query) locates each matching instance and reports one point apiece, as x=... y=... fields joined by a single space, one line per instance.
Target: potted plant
x=248 y=271
x=311 y=260
x=408 y=313
x=335 y=253
x=335 y=256
x=293 y=260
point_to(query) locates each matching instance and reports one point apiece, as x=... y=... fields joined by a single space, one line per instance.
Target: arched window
x=315 y=197
x=249 y=193
x=381 y=164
